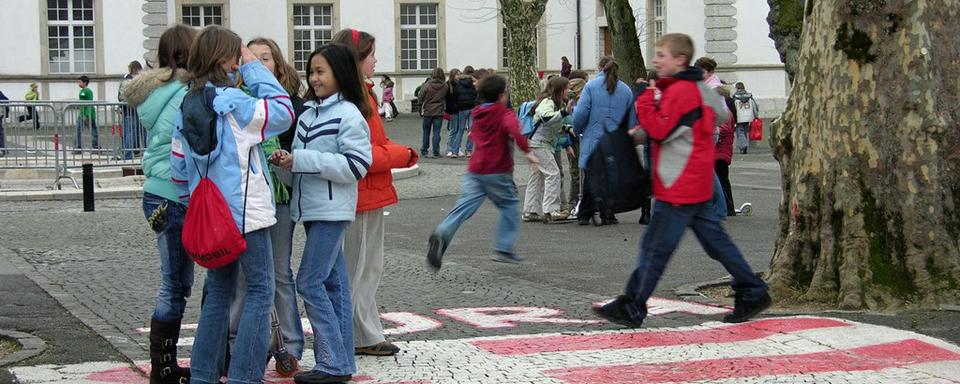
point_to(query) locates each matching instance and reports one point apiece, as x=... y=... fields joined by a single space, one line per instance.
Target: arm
x=512 y=126
x=268 y=113
x=659 y=122
x=391 y=155
x=347 y=166
x=178 y=165
x=581 y=113
x=547 y=112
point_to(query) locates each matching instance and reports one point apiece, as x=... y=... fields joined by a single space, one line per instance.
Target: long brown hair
x=454 y=75
x=286 y=75
x=554 y=91
x=361 y=44
x=437 y=74
x=611 y=70
x=174 y=49
x=214 y=46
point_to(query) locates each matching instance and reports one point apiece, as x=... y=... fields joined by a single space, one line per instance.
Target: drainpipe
x=576 y=42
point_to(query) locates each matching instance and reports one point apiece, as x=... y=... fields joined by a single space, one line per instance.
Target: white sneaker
x=451 y=155
x=461 y=154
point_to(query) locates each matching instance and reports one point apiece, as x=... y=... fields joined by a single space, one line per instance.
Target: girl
x=235 y=164
x=387 y=85
x=543 y=189
x=331 y=153
x=364 y=239
x=156 y=94
x=432 y=106
x=281 y=234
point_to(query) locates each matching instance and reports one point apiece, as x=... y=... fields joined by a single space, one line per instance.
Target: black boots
x=163 y=354
x=744 y=310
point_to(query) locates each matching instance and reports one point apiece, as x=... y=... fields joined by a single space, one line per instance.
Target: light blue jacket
x=237 y=164
x=598 y=112
x=331 y=153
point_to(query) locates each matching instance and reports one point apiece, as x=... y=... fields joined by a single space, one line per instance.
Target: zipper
x=330 y=189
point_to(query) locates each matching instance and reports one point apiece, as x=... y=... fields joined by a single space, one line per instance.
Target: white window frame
x=659 y=18
x=224 y=6
x=312 y=42
x=203 y=8
x=71 y=49
x=419 y=29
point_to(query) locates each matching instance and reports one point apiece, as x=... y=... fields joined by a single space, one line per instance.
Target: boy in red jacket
x=489 y=174
x=680 y=128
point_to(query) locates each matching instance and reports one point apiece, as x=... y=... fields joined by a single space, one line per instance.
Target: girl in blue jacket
x=234 y=161
x=331 y=153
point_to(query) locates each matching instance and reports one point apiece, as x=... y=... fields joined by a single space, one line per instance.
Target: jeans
x=131 y=129
x=742 y=136
x=285 y=299
x=323 y=284
x=500 y=189
x=459 y=125
x=666 y=228
x=176 y=268
x=253 y=335
x=87 y=121
x=431 y=123
x=719 y=200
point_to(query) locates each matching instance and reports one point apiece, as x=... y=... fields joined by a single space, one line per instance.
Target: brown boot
x=163 y=354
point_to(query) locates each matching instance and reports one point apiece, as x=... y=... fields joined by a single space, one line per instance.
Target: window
x=70 y=37
x=312 y=27
x=202 y=15
x=659 y=19
x=506 y=51
x=419 y=37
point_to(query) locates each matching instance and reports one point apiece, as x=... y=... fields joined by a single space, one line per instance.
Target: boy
x=88 y=116
x=747 y=110
x=489 y=174
x=680 y=128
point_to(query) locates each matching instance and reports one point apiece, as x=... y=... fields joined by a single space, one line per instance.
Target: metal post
x=88 y=205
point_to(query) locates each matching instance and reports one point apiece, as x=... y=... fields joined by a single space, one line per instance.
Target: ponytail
x=611 y=70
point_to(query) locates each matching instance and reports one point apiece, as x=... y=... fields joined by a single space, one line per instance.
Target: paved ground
x=475 y=320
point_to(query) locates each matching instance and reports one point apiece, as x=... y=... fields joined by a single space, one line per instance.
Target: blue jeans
x=666 y=228
x=131 y=133
x=475 y=189
x=176 y=268
x=285 y=299
x=323 y=284
x=719 y=201
x=458 y=125
x=87 y=121
x=247 y=362
x=431 y=123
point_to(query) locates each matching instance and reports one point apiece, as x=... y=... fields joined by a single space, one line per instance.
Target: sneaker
x=384 y=348
x=584 y=220
x=745 y=310
x=435 y=249
x=610 y=220
x=558 y=215
x=316 y=377
x=506 y=257
x=436 y=154
x=645 y=218
x=616 y=312
x=531 y=217
x=461 y=154
x=451 y=155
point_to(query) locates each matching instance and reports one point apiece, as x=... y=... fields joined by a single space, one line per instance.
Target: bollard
x=88 y=188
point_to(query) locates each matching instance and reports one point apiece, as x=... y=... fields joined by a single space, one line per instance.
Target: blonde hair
x=286 y=75
x=678 y=44
x=214 y=46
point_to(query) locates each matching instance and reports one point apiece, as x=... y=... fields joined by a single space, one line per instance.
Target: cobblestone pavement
x=479 y=321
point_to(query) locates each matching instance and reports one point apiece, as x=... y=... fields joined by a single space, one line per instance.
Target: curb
x=690 y=292
x=30 y=346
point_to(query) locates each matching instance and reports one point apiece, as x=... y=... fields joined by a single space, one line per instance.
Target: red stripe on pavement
x=870 y=358
x=725 y=334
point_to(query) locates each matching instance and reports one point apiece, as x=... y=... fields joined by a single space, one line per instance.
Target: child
x=156 y=95
x=363 y=241
x=432 y=96
x=681 y=129
x=331 y=153
x=88 y=116
x=387 y=84
x=131 y=128
x=747 y=110
x=32 y=95
x=236 y=165
x=489 y=174
x=578 y=80
x=543 y=188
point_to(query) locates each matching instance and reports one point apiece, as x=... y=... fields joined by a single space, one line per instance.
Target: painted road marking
x=786 y=350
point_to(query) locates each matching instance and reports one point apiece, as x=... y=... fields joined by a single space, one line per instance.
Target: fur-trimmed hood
x=137 y=91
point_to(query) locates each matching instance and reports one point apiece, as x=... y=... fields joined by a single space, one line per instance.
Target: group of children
x=233 y=114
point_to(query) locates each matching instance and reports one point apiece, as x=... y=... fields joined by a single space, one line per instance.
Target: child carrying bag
x=756 y=130
x=210 y=236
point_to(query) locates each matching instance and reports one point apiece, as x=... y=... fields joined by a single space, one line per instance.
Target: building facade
x=58 y=40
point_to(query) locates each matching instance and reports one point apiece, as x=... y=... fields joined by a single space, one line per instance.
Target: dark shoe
x=384 y=348
x=505 y=257
x=745 y=310
x=615 y=312
x=314 y=377
x=583 y=220
x=645 y=218
x=610 y=220
x=163 y=354
x=435 y=249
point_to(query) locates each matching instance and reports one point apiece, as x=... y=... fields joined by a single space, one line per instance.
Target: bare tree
x=520 y=17
x=870 y=154
x=623 y=33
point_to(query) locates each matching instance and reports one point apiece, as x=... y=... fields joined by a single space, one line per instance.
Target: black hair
x=343 y=63
x=84 y=79
x=491 y=87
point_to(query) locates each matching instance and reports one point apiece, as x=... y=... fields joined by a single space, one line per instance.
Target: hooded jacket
x=466 y=93
x=493 y=126
x=331 y=153
x=157 y=101
x=433 y=98
x=681 y=131
x=376 y=189
x=236 y=165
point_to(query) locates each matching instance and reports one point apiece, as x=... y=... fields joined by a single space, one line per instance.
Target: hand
x=276 y=156
x=246 y=55
x=571 y=153
x=414 y=157
x=638 y=134
x=532 y=158
x=286 y=161
x=570 y=105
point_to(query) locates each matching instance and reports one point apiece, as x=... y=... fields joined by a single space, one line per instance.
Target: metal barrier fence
x=64 y=135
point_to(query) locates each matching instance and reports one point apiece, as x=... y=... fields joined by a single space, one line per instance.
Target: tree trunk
x=521 y=18
x=626 y=44
x=786 y=23
x=869 y=149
